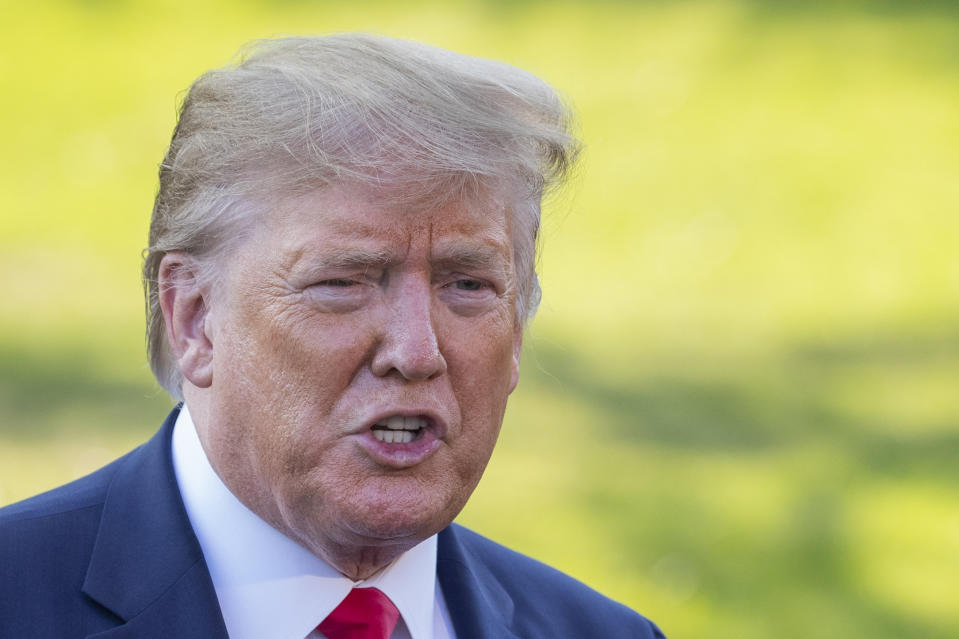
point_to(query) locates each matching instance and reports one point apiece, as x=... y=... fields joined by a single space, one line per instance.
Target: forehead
x=339 y=217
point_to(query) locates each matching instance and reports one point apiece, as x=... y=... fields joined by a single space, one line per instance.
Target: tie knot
x=366 y=613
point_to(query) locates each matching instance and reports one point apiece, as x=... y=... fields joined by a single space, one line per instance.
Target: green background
x=738 y=411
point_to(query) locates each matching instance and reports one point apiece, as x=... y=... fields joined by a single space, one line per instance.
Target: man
x=340 y=269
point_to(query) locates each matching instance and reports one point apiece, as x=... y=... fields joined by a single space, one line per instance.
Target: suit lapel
x=479 y=607
x=147 y=566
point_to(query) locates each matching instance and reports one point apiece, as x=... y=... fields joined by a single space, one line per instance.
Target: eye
x=468 y=285
x=338 y=294
x=339 y=283
x=469 y=296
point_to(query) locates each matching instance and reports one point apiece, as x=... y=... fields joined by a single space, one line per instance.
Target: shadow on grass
x=789 y=402
x=805 y=570
x=42 y=394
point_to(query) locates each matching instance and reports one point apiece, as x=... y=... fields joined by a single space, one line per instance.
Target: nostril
x=411 y=356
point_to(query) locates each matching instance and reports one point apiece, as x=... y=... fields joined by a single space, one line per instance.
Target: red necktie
x=366 y=613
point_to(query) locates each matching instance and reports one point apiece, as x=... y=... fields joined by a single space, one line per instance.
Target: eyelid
x=329 y=297
x=479 y=280
x=484 y=285
x=326 y=277
x=339 y=282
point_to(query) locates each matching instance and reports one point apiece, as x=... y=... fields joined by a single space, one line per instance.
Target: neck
x=359 y=562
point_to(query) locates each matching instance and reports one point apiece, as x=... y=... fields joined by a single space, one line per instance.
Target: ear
x=517 y=352
x=186 y=312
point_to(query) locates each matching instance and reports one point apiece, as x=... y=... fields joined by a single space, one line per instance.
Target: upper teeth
x=398 y=422
x=399 y=429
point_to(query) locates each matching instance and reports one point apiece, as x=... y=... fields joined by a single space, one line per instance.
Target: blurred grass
x=738 y=411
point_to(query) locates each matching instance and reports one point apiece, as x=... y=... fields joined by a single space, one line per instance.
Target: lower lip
x=399 y=455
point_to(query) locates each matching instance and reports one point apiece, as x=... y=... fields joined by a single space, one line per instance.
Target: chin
x=387 y=517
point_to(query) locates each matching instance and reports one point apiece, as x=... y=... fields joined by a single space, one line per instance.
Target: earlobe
x=186 y=312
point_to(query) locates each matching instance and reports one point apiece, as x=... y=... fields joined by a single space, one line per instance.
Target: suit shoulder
x=86 y=492
x=545 y=597
x=46 y=543
x=54 y=522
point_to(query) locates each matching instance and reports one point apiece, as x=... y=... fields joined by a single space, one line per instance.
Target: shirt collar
x=267 y=584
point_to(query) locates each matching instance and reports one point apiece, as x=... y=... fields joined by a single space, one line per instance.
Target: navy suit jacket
x=113 y=556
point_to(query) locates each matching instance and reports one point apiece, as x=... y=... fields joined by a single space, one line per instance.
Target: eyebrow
x=455 y=255
x=340 y=258
x=353 y=258
x=481 y=256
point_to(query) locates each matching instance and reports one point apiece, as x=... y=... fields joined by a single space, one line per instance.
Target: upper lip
x=434 y=422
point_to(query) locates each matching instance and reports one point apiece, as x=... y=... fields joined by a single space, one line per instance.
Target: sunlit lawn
x=738 y=411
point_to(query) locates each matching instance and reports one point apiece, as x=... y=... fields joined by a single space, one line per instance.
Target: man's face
x=362 y=359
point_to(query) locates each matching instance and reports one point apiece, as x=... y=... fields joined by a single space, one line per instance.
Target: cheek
x=482 y=369
x=296 y=350
x=284 y=369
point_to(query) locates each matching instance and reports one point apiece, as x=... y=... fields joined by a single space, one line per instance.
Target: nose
x=409 y=345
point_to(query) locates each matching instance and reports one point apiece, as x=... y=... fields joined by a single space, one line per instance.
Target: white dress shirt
x=270 y=587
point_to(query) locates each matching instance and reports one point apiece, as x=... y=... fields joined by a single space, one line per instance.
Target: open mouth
x=399 y=429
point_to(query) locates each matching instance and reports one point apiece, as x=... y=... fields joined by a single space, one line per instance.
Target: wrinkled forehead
x=361 y=216
x=275 y=196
